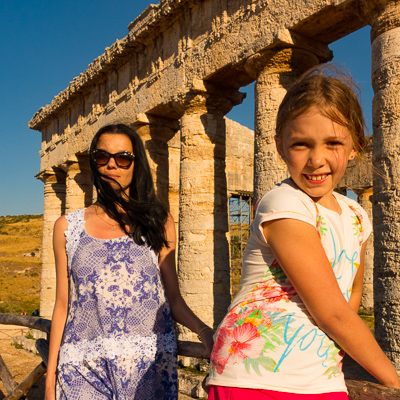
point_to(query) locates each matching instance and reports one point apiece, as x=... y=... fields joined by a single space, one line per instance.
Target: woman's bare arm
x=61 y=305
x=179 y=309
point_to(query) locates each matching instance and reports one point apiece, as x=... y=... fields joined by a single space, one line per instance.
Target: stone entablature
x=168 y=48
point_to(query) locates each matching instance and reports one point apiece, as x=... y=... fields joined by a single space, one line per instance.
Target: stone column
x=384 y=17
x=174 y=155
x=203 y=267
x=54 y=207
x=79 y=183
x=275 y=71
x=367 y=300
x=156 y=132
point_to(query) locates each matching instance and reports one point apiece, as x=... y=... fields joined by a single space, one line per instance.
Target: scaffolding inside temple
x=240 y=207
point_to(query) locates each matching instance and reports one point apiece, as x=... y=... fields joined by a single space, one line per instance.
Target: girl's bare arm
x=299 y=252
x=61 y=305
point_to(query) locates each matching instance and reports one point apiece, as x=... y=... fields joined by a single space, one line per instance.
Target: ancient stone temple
x=174 y=77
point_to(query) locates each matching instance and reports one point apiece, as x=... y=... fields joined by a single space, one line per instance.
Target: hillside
x=20 y=263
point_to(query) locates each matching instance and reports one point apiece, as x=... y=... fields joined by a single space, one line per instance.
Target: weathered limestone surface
x=385 y=38
x=167 y=47
x=54 y=206
x=367 y=300
x=155 y=134
x=239 y=157
x=275 y=71
x=174 y=154
x=79 y=186
x=203 y=258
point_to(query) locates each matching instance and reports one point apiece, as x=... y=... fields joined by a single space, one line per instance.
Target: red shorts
x=233 y=393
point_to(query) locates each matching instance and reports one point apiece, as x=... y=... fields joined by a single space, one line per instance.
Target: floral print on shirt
x=358 y=224
x=256 y=330
x=253 y=329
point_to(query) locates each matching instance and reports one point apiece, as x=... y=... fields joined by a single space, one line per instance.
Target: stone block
x=190 y=384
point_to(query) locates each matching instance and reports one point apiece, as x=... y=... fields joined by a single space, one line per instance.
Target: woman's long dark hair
x=147 y=216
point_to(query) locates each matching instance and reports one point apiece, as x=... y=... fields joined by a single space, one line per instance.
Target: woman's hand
x=207 y=338
x=180 y=311
x=50 y=393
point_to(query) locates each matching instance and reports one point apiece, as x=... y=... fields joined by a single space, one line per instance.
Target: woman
x=112 y=334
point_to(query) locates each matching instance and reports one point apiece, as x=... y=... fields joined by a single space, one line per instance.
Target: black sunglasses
x=123 y=159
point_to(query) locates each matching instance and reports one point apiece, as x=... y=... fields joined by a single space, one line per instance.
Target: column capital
x=382 y=15
x=201 y=96
x=156 y=127
x=51 y=176
x=152 y=119
x=281 y=60
x=366 y=192
x=76 y=162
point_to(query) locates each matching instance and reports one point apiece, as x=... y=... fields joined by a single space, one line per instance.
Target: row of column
x=203 y=257
x=190 y=178
x=66 y=189
x=198 y=201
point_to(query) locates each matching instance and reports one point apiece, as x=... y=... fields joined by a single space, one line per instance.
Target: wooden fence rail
x=358 y=389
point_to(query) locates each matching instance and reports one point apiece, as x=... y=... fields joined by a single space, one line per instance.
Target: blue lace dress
x=118 y=341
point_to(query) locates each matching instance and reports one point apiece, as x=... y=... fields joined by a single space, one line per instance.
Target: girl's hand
x=394 y=383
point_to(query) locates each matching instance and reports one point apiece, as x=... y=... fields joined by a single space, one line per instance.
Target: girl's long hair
x=147 y=217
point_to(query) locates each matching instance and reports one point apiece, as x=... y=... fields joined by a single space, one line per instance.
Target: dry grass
x=20 y=263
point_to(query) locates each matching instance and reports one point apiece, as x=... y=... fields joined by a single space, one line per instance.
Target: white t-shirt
x=268 y=340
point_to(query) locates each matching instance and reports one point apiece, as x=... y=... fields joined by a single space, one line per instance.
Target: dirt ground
x=20 y=364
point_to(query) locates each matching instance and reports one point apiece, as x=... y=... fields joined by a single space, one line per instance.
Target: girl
x=303 y=266
x=112 y=335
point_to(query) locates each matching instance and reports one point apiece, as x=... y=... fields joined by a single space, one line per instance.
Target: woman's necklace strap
x=113 y=226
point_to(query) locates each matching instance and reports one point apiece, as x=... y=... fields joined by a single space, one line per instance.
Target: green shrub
x=29 y=335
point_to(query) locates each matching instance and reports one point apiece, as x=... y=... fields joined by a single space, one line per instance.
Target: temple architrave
x=173 y=78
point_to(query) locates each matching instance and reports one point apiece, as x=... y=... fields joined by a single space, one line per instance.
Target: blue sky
x=45 y=43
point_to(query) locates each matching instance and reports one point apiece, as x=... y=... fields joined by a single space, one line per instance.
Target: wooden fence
x=358 y=389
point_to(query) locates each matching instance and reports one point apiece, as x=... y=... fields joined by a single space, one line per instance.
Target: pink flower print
x=271 y=289
x=233 y=347
x=275 y=294
x=358 y=223
x=265 y=285
x=359 y=216
x=320 y=225
x=230 y=319
x=251 y=297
